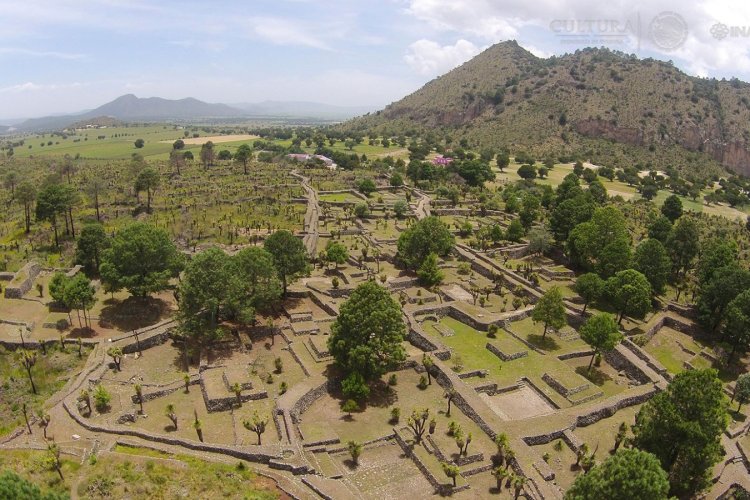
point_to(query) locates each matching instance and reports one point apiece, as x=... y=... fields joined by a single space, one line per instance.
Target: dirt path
x=312 y=215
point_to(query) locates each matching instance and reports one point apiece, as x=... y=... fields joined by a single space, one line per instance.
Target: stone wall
x=22 y=281
x=650 y=362
x=505 y=357
x=260 y=455
x=560 y=388
x=611 y=409
x=303 y=403
x=620 y=363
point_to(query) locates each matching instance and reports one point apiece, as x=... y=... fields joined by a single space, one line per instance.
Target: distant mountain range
x=129 y=108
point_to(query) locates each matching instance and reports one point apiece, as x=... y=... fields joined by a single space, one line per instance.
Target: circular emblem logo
x=719 y=31
x=668 y=30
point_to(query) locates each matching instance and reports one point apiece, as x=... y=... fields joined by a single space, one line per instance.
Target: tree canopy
x=289 y=256
x=630 y=293
x=367 y=335
x=626 y=475
x=429 y=235
x=550 y=310
x=682 y=427
x=142 y=259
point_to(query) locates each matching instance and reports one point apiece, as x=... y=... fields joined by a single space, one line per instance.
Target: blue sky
x=69 y=55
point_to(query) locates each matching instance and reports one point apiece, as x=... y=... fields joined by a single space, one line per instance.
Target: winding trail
x=312 y=215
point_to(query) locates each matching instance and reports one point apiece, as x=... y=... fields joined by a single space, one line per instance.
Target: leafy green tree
x=254 y=282
x=362 y=210
x=587 y=241
x=715 y=254
x=601 y=333
x=397 y=180
x=355 y=450
x=203 y=293
x=540 y=240
x=429 y=235
x=207 y=154
x=660 y=228
x=56 y=287
x=503 y=160
x=741 y=391
x=336 y=252
x=243 y=156
x=683 y=243
x=737 y=327
x=570 y=212
x=451 y=471
x=613 y=258
x=141 y=259
x=651 y=259
x=526 y=172
x=91 y=244
x=715 y=295
x=367 y=335
x=366 y=186
x=682 y=427
x=148 y=180
x=13 y=486
x=355 y=386
x=289 y=256
x=626 y=475
x=400 y=208
x=550 y=310
x=51 y=203
x=474 y=172
x=515 y=231
x=80 y=294
x=257 y=425
x=590 y=287
x=530 y=206
x=429 y=273
x=139 y=143
x=25 y=195
x=672 y=208
x=630 y=293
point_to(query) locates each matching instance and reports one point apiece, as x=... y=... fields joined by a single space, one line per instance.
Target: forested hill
x=606 y=105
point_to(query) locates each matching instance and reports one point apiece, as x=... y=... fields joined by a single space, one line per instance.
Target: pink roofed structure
x=442 y=161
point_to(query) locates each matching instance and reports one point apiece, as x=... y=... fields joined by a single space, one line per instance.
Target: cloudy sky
x=68 y=55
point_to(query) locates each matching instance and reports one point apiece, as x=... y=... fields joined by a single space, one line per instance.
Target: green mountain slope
x=603 y=105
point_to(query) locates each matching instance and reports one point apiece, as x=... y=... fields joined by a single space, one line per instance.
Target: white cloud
x=495 y=20
x=430 y=58
x=285 y=32
x=40 y=53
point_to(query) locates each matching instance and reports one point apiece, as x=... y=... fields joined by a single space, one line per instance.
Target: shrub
x=102 y=398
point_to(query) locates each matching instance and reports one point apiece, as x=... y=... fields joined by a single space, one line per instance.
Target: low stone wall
x=473 y=373
x=611 y=409
x=148 y=342
x=620 y=363
x=148 y=396
x=650 y=362
x=260 y=456
x=494 y=390
x=26 y=276
x=505 y=357
x=303 y=403
x=417 y=461
x=561 y=389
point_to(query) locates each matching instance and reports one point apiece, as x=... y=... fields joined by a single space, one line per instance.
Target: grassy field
x=140 y=473
x=50 y=373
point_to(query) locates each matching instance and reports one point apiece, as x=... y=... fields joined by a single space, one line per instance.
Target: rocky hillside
x=608 y=106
